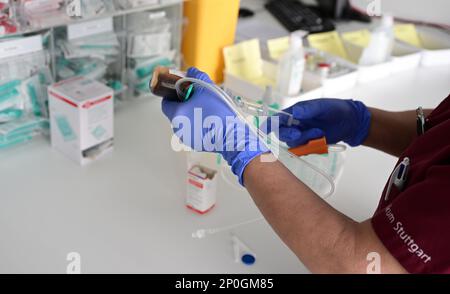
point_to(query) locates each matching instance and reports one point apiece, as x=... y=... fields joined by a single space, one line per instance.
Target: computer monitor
x=340 y=10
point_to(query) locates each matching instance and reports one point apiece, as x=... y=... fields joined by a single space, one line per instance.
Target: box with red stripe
x=81 y=119
x=201 y=189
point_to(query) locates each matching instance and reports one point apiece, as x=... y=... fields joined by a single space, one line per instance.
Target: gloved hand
x=336 y=119
x=232 y=140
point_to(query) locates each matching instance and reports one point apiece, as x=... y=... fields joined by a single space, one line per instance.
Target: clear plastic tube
x=283 y=152
x=202 y=233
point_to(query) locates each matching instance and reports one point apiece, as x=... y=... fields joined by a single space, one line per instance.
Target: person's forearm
x=392 y=132
x=325 y=240
x=306 y=223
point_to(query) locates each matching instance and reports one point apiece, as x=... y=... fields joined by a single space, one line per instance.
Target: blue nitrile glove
x=336 y=119
x=226 y=139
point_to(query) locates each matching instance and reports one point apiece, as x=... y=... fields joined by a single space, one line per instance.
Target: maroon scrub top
x=414 y=223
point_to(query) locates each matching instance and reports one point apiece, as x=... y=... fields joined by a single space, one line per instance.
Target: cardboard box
x=81 y=119
x=201 y=189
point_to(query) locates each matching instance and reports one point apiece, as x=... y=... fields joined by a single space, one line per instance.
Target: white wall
x=435 y=11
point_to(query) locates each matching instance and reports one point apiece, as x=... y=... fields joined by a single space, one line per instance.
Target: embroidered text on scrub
x=413 y=247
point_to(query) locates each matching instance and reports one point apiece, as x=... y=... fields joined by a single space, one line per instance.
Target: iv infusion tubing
x=231 y=227
x=202 y=233
x=229 y=101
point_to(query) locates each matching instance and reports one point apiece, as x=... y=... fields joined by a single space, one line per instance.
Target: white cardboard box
x=81 y=119
x=201 y=189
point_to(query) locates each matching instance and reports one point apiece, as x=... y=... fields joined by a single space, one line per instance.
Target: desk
x=126 y=213
x=264 y=26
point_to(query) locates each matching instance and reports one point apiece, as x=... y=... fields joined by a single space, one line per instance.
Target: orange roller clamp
x=318 y=146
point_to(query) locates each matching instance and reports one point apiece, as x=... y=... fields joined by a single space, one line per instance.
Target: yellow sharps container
x=211 y=26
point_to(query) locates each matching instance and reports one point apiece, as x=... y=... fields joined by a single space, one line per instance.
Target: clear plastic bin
x=331 y=164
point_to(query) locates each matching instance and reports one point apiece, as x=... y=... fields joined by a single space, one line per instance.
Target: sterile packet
x=23 y=66
x=21 y=130
x=126 y=4
x=11 y=95
x=149 y=44
x=147 y=67
x=35 y=89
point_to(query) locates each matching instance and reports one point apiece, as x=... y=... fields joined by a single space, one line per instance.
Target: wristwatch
x=420 y=121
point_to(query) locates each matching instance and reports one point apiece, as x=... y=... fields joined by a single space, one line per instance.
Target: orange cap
x=318 y=146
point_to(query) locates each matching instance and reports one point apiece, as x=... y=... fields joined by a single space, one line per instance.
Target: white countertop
x=126 y=213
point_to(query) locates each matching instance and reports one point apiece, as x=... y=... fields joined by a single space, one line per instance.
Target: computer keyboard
x=294 y=16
